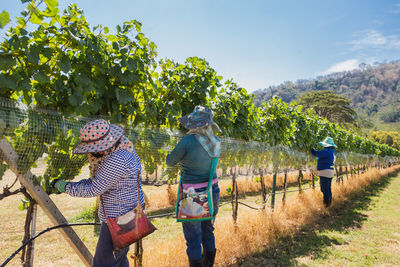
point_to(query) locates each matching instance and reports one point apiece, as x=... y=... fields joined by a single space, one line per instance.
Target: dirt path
x=364 y=231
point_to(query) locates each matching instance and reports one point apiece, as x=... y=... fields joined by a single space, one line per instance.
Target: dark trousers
x=104 y=255
x=198 y=234
x=326 y=184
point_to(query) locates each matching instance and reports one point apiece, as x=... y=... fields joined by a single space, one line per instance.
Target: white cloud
x=396 y=9
x=368 y=38
x=374 y=39
x=346 y=65
x=377 y=22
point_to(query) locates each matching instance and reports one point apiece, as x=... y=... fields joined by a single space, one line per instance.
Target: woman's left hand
x=59 y=185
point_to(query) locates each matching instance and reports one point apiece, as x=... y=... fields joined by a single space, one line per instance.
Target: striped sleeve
x=108 y=174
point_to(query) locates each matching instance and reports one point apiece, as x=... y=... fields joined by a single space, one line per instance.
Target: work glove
x=59 y=185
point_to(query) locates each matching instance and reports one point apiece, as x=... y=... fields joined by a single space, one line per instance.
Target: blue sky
x=258 y=43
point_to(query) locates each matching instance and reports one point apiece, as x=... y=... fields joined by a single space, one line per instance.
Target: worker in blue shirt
x=326 y=167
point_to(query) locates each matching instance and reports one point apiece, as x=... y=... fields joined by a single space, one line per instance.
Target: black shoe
x=209 y=257
x=196 y=263
x=328 y=203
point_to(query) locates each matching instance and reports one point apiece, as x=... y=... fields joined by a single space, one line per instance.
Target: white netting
x=45 y=139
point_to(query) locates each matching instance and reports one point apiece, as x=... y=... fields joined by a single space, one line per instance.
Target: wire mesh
x=44 y=139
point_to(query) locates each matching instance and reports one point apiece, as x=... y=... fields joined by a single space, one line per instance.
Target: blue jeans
x=201 y=233
x=326 y=189
x=104 y=255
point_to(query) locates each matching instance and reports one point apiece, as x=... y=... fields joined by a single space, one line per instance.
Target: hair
x=201 y=130
x=205 y=130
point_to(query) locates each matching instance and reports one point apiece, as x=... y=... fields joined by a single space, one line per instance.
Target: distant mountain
x=373 y=90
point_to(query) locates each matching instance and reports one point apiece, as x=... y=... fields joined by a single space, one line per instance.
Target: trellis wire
x=46 y=138
x=86 y=224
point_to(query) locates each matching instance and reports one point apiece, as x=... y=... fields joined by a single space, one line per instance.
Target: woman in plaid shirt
x=115 y=169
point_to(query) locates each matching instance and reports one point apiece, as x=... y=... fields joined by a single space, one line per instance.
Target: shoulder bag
x=196 y=206
x=130 y=227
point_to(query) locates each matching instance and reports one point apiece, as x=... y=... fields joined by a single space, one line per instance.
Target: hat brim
x=116 y=132
x=326 y=144
x=189 y=124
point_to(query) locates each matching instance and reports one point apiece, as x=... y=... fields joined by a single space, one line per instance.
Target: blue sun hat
x=200 y=117
x=328 y=142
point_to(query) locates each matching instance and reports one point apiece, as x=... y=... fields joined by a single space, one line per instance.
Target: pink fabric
x=197 y=186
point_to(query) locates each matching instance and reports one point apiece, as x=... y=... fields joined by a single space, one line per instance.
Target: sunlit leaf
x=4 y=19
x=51 y=4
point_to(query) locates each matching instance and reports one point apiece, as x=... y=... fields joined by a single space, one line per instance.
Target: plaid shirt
x=115 y=181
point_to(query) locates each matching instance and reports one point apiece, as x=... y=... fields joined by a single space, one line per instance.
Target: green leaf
x=21 y=207
x=4 y=19
x=42 y=99
x=33 y=54
x=6 y=62
x=75 y=99
x=124 y=97
x=115 y=45
x=47 y=52
x=65 y=64
x=36 y=15
x=132 y=64
x=41 y=78
x=8 y=82
x=51 y=4
x=24 y=85
x=124 y=49
x=23 y=31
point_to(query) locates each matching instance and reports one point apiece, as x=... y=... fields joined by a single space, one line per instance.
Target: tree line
x=372 y=89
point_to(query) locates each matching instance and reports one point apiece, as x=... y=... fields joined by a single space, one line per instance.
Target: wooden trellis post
x=300 y=180
x=273 y=191
x=263 y=191
x=8 y=154
x=284 y=187
x=234 y=196
x=313 y=180
x=33 y=232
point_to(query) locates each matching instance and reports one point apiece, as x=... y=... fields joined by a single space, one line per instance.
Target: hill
x=373 y=90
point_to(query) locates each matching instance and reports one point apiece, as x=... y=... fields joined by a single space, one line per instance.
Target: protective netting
x=46 y=138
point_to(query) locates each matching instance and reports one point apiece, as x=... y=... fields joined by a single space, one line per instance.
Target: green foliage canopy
x=327 y=104
x=389 y=138
x=64 y=65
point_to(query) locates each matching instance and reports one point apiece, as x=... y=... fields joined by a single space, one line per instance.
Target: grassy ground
x=362 y=231
x=51 y=249
x=166 y=247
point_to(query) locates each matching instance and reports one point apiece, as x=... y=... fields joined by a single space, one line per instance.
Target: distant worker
x=326 y=167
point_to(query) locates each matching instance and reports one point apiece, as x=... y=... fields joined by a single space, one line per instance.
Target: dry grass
x=254 y=230
x=257 y=229
x=165 y=196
